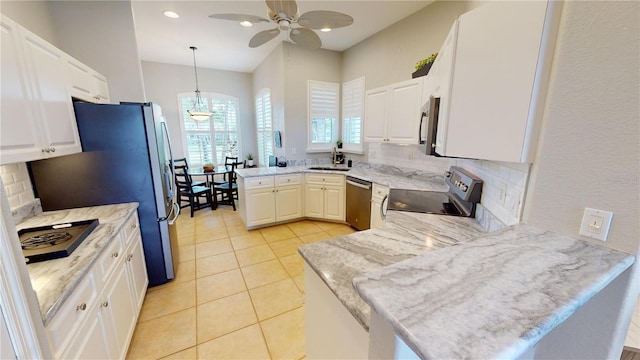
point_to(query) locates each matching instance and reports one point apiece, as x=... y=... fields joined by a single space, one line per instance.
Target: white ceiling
x=223 y=44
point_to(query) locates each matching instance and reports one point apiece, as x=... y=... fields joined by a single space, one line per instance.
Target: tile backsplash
x=504 y=183
x=17 y=184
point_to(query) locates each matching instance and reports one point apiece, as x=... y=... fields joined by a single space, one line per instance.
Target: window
x=323 y=100
x=210 y=141
x=352 y=114
x=264 y=126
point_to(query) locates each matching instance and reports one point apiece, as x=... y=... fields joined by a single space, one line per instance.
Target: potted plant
x=423 y=66
x=339 y=144
x=249 y=159
x=208 y=167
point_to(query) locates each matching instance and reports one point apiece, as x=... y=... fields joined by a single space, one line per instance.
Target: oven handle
x=362 y=186
x=383 y=216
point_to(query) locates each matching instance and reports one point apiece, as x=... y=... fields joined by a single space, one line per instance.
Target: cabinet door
x=314 y=201
x=137 y=272
x=375 y=118
x=260 y=206
x=47 y=65
x=118 y=311
x=376 y=220
x=404 y=112
x=288 y=202
x=100 y=88
x=79 y=78
x=334 y=202
x=441 y=85
x=19 y=138
x=92 y=340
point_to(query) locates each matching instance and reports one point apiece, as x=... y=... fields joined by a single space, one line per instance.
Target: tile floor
x=237 y=294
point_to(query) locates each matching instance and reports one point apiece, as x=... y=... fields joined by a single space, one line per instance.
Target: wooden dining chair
x=192 y=194
x=228 y=190
x=183 y=162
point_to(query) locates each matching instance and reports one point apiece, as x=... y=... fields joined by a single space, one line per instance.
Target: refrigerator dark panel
x=114 y=167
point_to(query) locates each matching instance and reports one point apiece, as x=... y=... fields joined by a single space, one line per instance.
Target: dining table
x=210 y=177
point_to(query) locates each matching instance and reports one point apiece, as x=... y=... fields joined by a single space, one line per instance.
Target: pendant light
x=199 y=111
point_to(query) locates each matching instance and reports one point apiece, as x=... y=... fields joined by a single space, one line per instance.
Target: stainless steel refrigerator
x=126 y=157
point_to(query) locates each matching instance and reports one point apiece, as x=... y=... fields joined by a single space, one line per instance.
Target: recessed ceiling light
x=171 y=14
x=325 y=29
x=246 y=23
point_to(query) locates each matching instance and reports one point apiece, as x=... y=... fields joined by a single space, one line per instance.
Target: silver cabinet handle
x=382 y=214
x=82 y=307
x=105 y=304
x=133 y=226
x=129 y=257
x=115 y=254
x=53 y=149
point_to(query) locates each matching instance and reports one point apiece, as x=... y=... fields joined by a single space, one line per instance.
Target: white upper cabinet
x=392 y=113
x=498 y=81
x=85 y=83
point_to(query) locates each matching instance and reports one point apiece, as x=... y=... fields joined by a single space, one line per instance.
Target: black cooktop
x=54 y=241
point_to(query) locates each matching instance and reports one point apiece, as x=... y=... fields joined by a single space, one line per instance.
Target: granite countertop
x=426 y=182
x=54 y=280
x=493 y=297
x=405 y=235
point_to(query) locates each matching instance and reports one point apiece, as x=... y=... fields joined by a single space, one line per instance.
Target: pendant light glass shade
x=199 y=111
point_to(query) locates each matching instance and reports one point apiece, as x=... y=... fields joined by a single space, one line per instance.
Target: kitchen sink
x=328 y=168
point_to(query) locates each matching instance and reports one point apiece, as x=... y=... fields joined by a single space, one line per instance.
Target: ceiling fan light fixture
x=199 y=112
x=171 y=14
x=246 y=23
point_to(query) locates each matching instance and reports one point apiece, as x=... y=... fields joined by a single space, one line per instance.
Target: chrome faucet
x=334 y=155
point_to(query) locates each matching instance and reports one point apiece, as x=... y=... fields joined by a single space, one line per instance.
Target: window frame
x=323 y=146
x=345 y=104
x=263 y=158
x=207 y=98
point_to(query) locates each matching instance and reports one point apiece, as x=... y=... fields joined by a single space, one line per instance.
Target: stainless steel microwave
x=429 y=125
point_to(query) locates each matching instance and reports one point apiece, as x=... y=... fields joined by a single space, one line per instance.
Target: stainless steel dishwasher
x=358 y=203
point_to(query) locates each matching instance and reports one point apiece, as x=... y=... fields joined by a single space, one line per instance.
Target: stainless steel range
x=54 y=241
x=465 y=190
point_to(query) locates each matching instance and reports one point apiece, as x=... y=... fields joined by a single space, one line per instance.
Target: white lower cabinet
x=270 y=199
x=98 y=319
x=325 y=196
x=379 y=194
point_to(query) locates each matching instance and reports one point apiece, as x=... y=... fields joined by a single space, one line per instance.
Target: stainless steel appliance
x=429 y=125
x=465 y=191
x=358 y=203
x=126 y=158
x=54 y=241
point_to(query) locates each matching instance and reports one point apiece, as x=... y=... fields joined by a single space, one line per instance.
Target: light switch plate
x=596 y=223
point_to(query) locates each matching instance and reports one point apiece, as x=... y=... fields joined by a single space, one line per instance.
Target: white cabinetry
x=37 y=113
x=325 y=196
x=98 y=319
x=85 y=83
x=392 y=113
x=270 y=199
x=379 y=195
x=499 y=78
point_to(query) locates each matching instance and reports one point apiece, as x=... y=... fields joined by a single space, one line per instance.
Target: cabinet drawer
x=288 y=179
x=72 y=313
x=129 y=227
x=260 y=182
x=325 y=179
x=379 y=191
x=109 y=259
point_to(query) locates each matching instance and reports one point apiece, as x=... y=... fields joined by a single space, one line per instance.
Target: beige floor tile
x=315 y=237
x=220 y=317
x=220 y=285
x=299 y=280
x=206 y=234
x=211 y=221
x=293 y=264
x=168 y=299
x=254 y=255
x=235 y=230
x=329 y=225
x=286 y=247
x=276 y=233
x=285 y=334
x=187 y=252
x=164 y=336
x=215 y=264
x=188 y=354
x=186 y=238
x=263 y=273
x=345 y=230
x=247 y=240
x=232 y=220
x=247 y=343
x=275 y=299
x=304 y=227
x=184 y=271
x=215 y=247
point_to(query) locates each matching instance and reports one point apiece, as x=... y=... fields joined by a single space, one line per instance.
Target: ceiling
x=223 y=44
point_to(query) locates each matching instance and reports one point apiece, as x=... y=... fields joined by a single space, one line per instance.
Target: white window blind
x=323 y=105
x=212 y=140
x=352 y=114
x=264 y=126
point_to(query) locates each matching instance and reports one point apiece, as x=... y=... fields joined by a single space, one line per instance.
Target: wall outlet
x=596 y=223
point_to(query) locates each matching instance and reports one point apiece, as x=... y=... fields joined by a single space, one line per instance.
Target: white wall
x=163 y=82
x=33 y=15
x=101 y=34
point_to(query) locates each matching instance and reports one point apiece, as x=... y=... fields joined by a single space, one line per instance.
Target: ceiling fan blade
x=306 y=38
x=239 y=17
x=324 y=19
x=283 y=8
x=262 y=37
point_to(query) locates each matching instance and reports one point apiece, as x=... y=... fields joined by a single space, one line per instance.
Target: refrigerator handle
x=176 y=213
x=171 y=181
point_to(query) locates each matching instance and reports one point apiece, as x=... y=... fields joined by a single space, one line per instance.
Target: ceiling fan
x=285 y=14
